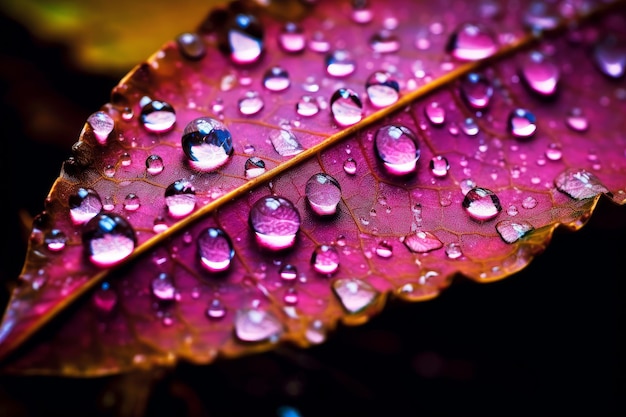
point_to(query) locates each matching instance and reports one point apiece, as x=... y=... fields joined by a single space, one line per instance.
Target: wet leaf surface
x=214 y=271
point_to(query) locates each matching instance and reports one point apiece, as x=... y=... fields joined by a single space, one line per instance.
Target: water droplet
x=84 y=205
x=554 y=152
x=102 y=125
x=244 y=39
x=609 y=55
x=318 y=42
x=522 y=123
x=384 y=41
x=180 y=198
x=453 y=250
x=163 y=288
x=216 y=309
x=125 y=159
x=323 y=194
x=422 y=242
x=291 y=296
x=512 y=210
x=276 y=79
x=340 y=63
x=131 y=202
x=529 y=202
x=307 y=106
x=157 y=116
x=397 y=147
x=55 y=240
x=349 y=166
x=191 y=46
x=384 y=249
x=540 y=74
x=354 y=294
x=361 y=11
x=254 y=167
x=251 y=103
x=439 y=166
x=215 y=249
x=470 y=127
x=253 y=325
x=285 y=142
x=154 y=164
x=207 y=143
x=466 y=185
x=382 y=89
x=476 y=90
x=471 y=42
x=315 y=332
x=291 y=38
x=108 y=239
x=325 y=259
x=511 y=231
x=346 y=107
x=579 y=184
x=275 y=222
x=435 y=113
x=288 y=272
x=104 y=298
x=576 y=120
x=109 y=171
x=540 y=15
x=481 y=204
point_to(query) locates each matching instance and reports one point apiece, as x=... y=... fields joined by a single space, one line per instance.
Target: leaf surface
x=205 y=271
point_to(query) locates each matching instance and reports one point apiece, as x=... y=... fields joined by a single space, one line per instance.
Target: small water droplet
x=307 y=106
x=276 y=79
x=291 y=38
x=288 y=272
x=576 y=120
x=318 y=42
x=104 y=298
x=397 y=147
x=315 y=332
x=422 y=242
x=470 y=127
x=349 y=166
x=215 y=250
x=481 y=204
x=529 y=202
x=109 y=171
x=522 y=123
x=191 y=46
x=216 y=309
x=55 y=240
x=579 y=184
x=163 y=288
x=435 y=113
x=157 y=116
x=154 y=165
x=382 y=89
x=275 y=222
x=541 y=15
x=453 y=250
x=439 y=166
x=102 y=125
x=384 y=249
x=512 y=210
x=291 y=296
x=125 y=159
x=132 y=202
x=108 y=239
x=207 y=144
x=323 y=193
x=339 y=63
x=254 y=325
x=244 y=39
x=466 y=185
x=361 y=11
x=346 y=107
x=609 y=55
x=285 y=142
x=540 y=74
x=254 y=167
x=511 y=231
x=180 y=198
x=554 y=152
x=476 y=90
x=471 y=42
x=384 y=41
x=325 y=259
x=250 y=104
x=354 y=294
x=84 y=205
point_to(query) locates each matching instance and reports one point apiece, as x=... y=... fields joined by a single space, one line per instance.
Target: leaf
x=530 y=161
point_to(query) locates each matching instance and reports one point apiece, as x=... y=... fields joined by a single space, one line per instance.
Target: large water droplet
x=435 y=113
x=154 y=165
x=291 y=38
x=354 y=294
x=163 y=288
x=207 y=143
x=108 y=239
x=384 y=41
x=511 y=231
x=191 y=46
x=275 y=222
x=576 y=120
x=180 y=198
x=102 y=125
x=540 y=74
x=476 y=90
x=323 y=194
x=482 y=204
x=609 y=55
x=340 y=63
x=276 y=79
x=250 y=104
x=254 y=167
x=382 y=89
x=84 y=205
x=346 y=107
x=579 y=184
x=397 y=147
x=215 y=249
x=422 y=242
x=522 y=123
x=439 y=166
x=471 y=42
x=55 y=240
x=157 y=116
x=285 y=142
x=325 y=259
x=244 y=39
x=253 y=325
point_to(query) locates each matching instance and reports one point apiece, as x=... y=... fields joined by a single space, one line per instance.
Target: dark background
x=547 y=341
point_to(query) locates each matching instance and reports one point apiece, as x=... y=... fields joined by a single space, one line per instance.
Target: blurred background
x=546 y=341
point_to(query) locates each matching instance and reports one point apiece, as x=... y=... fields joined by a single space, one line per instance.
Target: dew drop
x=104 y=298
x=163 y=288
x=339 y=63
x=102 y=125
x=180 y=198
x=315 y=332
x=55 y=240
x=354 y=294
x=307 y=106
x=554 y=152
x=244 y=39
x=397 y=147
x=254 y=167
x=512 y=210
x=541 y=15
x=422 y=242
x=384 y=249
x=154 y=165
x=529 y=202
x=435 y=113
x=108 y=239
x=84 y=205
x=288 y=272
x=215 y=250
x=349 y=166
x=276 y=79
x=481 y=204
x=522 y=123
x=250 y=104
x=125 y=159
x=361 y=11
x=476 y=90
x=346 y=107
x=511 y=231
x=285 y=142
x=109 y=171
x=384 y=41
x=579 y=184
x=439 y=166
x=323 y=193
x=207 y=144
x=157 y=116
x=291 y=296
x=275 y=222
x=325 y=259
x=216 y=309
x=609 y=55
x=132 y=202
x=540 y=74
x=254 y=325
x=453 y=250
x=576 y=120
x=471 y=42
x=318 y=42
x=291 y=38
x=382 y=89
x=191 y=46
